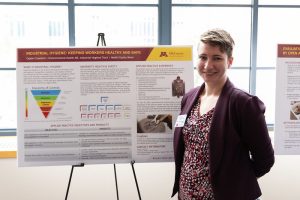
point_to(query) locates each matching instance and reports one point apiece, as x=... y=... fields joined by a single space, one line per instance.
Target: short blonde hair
x=220 y=38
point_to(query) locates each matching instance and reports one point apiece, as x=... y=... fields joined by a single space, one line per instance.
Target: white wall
x=96 y=182
x=283 y=181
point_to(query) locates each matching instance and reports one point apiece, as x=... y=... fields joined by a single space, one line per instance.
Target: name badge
x=180 y=121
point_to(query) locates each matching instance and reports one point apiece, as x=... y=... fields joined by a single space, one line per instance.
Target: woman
x=223 y=145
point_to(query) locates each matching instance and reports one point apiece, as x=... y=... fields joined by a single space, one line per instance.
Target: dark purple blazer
x=240 y=148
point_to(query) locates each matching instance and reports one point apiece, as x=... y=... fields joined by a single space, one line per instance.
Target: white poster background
x=86 y=108
x=287 y=107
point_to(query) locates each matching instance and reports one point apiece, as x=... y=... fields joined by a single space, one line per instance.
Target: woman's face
x=212 y=63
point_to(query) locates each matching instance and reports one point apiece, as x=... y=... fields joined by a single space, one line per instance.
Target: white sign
x=99 y=105
x=287 y=112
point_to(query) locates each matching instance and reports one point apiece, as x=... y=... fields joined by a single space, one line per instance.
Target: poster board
x=99 y=105
x=287 y=106
x=8 y=146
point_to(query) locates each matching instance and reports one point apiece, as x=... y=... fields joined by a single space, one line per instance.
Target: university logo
x=163 y=54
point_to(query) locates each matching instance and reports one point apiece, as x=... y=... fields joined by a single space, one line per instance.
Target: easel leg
x=70 y=178
x=116 y=181
x=136 y=183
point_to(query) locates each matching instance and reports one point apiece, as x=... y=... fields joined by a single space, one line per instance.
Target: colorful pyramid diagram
x=45 y=99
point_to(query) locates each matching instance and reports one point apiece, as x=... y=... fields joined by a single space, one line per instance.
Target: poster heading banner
x=288 y=51
x=104 y=54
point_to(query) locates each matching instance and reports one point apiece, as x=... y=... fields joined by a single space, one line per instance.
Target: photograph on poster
x=178 y=87
x=161 y=123
x=295 y=110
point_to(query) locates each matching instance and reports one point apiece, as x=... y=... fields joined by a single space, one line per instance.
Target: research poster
x=8 y=146
x=99 y=105
x=287 y=112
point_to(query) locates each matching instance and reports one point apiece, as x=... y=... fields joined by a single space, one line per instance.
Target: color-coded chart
x=45 y=99
x=26 y=103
